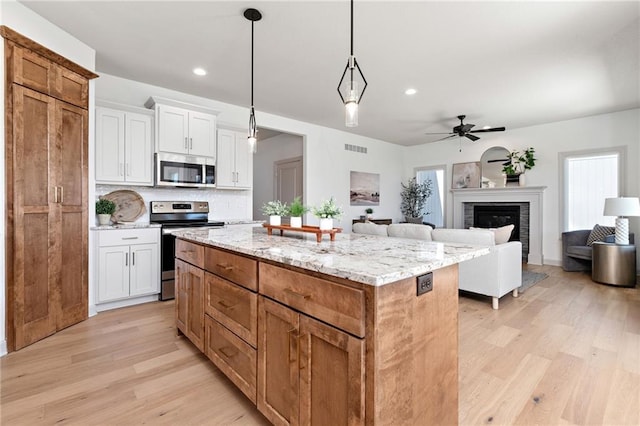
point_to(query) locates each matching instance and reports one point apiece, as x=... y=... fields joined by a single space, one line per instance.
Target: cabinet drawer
x=336 y=304
x=238 y=269
x=233 y=306
x=236 y=359
x=190 y=252
x=118 y=237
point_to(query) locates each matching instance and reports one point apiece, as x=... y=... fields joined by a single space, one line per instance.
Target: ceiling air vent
x=355 y=148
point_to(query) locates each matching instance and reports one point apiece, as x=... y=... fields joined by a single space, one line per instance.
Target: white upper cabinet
x=234 y=164
x=184 y=128
x=124 y=146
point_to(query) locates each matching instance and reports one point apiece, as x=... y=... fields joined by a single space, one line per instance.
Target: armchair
x=576 y=254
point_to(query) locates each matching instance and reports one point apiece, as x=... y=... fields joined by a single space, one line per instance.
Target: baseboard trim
x=126 y=302
x=553 y=262
x=3 y=348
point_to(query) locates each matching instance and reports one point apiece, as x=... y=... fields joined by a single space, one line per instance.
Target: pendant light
x=252 y=15
x=349 y=89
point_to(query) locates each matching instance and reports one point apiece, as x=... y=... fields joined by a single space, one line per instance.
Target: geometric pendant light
x=252 y=15
x=349 y=88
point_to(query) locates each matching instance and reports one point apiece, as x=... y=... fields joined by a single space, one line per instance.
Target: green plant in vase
x=296 y=210
x=275 y=210
x=326 y=212
x=414 y=197
x=519 y=163
x=104 y=209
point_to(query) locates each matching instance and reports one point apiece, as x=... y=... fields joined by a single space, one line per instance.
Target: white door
x=288 y=176
x=225 y=162
x=113 y=273
x=139 y=149
x=244 y=162
x=110 y=145
x=202 y=138
x=173 y=130
x=143 y=275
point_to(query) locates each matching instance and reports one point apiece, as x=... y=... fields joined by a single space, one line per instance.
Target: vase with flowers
x=275 y=210
x=326 y=212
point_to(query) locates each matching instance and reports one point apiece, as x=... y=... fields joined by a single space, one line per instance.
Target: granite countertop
x=135 y=225
x=367 y=259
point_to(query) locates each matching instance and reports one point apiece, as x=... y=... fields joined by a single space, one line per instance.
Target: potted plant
x=414 y=196
x=369 y=212
x=296 y=210
x=275 y=210
x=326 y=212
x=104 y=209
x=518 y=164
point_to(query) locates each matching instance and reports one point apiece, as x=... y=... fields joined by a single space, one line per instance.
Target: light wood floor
x=567 y=351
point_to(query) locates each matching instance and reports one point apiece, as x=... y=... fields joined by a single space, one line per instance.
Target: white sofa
x=495 y=274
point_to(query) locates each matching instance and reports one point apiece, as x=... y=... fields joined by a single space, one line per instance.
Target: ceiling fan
x=465 y=130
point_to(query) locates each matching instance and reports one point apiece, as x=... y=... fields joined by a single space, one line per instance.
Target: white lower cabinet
x=128 y=263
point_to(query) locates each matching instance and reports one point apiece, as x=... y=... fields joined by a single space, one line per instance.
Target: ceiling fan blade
x=493 y=129
x=473 y=138
x=467 y=127
x=498 y=160
x=443 y=133
x=446 y=137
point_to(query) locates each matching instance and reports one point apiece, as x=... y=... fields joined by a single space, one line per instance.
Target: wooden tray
x=129 y=205
x=307 y=229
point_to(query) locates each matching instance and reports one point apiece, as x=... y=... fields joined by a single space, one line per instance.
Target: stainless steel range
x=174 y=216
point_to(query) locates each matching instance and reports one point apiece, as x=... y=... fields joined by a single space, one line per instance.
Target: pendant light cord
x=351 y=27
x=252 y=64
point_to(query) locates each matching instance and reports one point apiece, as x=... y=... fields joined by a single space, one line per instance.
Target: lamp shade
x=622 y=206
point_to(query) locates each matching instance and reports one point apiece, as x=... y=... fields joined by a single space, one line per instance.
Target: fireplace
x=496 y=216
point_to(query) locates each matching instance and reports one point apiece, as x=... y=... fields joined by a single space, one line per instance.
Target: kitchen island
x=361 y=330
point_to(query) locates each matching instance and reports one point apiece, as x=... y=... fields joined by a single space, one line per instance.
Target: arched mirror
x=492 y=162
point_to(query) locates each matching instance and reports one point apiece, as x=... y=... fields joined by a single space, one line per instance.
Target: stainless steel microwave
x=185 y=171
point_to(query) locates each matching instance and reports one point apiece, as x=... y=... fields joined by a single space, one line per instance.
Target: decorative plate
x=129 y=205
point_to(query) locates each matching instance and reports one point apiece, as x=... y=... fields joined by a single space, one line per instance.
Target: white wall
x=27 y=23
x=606 y=130
x=270 y=150
x=326 y=164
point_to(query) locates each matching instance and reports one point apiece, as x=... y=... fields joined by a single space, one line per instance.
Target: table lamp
x=621 y=207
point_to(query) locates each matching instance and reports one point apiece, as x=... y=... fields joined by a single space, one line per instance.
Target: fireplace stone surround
x=529 y=195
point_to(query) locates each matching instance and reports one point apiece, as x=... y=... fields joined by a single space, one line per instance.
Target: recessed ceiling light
x=486 y=127
x=410 y=92
x=199 y=71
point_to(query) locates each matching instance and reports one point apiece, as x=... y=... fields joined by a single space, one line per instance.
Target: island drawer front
x=336 y=304
x=190 y=252
x=238 y=269
x=233 y=306
x=236 y=359
x=125 y=237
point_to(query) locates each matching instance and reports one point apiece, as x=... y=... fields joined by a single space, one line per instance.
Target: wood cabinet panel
x=71 y=87
x=190 y=252
x=234 y=357
x=31 y=70
x=332 y=372
x=278 y=358
x=233 y=306
x=182 y=295
x=190 y=302
x=333 y=303
x=238 y=269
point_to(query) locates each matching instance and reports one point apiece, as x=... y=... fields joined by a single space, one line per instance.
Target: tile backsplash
x=223 y=204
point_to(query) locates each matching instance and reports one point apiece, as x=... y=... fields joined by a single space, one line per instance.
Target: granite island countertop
x=367 y=259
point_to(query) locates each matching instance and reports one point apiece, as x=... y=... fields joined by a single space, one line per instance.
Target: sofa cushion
x=599 y=233
x=502 y=234
x=581 y=252
x=369 y=228
x=410 y=230
x=480 y=237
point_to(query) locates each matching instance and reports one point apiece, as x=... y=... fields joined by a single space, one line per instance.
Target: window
x=434 y=209
x=589 y=178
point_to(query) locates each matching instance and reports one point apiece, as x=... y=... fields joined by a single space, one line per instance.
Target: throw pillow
x=599 y=233
x=501 y=234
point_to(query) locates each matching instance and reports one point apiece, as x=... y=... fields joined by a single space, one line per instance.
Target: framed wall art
x=466 y=175
x=365 y=189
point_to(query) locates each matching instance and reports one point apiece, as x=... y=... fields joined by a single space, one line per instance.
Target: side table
x=376 y=221
x=614 y=264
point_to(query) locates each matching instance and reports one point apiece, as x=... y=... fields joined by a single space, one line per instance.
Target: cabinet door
x=143 y=274
x=113 y=273
x=139 y=149
x=278 y=358
x=195 y=306
x=32 y=70
x=225 y=161
x=173 y=130
x=244 y=162
x=71 y=87
x=202 y=134
x=110 y=145
x=35 y=218
x=331 y=375
x=71 y=144
x=182 y=295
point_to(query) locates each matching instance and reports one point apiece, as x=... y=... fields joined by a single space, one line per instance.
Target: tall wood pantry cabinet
x=46 y=190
